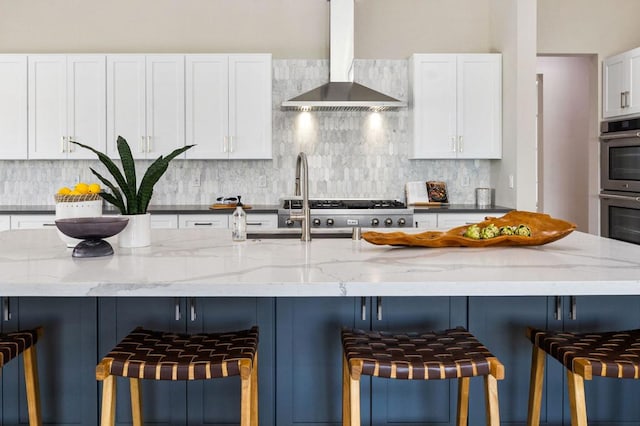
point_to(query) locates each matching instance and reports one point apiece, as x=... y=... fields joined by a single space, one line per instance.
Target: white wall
x=566 y=100
x=513 y=24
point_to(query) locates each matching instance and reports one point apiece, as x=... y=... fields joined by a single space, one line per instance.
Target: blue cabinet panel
x=66 y=361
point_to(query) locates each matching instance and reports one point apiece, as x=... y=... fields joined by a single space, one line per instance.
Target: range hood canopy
x=341 y=93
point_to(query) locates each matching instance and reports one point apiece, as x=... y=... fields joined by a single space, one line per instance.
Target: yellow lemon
x=75 y=192
x=94 y=188
x=82 y=188
x=64 y=191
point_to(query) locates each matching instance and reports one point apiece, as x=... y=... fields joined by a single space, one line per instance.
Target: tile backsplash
x=350 y=154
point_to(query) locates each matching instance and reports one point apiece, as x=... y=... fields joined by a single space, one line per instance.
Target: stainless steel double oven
x=620 y=179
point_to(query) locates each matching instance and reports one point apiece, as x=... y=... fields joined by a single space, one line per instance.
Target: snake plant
x=127 y=196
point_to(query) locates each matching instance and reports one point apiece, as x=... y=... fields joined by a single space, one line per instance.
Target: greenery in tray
x=127 y=196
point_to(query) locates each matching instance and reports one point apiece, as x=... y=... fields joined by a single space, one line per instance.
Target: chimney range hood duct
x=341 y=93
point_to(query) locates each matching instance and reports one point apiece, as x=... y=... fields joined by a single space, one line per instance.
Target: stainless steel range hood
x=341 y=93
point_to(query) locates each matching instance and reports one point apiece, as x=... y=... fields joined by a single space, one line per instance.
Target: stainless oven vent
x=342 y=93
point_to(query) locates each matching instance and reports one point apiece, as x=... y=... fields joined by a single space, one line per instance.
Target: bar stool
x=24 y=342
x=158 y=355
x=613 y=354
x=438 y=355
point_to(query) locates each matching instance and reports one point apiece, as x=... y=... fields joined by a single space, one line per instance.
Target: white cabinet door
x=66 y=102
x=614 y=86
x=86 y=104
x=13 y=107
x=207 y=106
x=479 y=126
x=165 y=104
x=5 y=221
x=164 y=221
x=32 y=221
x=145 y=103
x=250 y=106
x=426 y=220
x=261 y=221
x=456 y=105
x=434 y=110
x=451 y=220
x=621 y=84
x=216 y=221
x=228 y=106
x=126 y=103
x=47 y=106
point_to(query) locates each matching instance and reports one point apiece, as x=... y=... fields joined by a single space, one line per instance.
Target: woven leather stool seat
x=13 y=344
x=24 y=342
x=614 y=354
x=611 y=354
x=157 y=355
x=447 y=354
x=160 y=355
x=434 y=355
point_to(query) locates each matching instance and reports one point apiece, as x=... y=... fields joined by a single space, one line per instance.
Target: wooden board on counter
x=228 y=206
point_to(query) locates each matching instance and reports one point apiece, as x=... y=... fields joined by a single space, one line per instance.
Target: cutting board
x=228 y=206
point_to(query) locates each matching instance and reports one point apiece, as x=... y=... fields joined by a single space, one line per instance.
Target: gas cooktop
x=345 y=204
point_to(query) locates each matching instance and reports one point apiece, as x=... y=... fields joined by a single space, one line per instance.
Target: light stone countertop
x=197 y=262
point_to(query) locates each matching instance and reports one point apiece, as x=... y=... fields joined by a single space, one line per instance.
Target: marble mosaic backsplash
x=350 y=154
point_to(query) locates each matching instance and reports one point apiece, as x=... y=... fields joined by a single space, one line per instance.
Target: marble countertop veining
x=197 y=262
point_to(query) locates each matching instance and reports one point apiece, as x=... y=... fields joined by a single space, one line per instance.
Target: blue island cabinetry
x=500 y=323
x=210 y=402
x=309 y=360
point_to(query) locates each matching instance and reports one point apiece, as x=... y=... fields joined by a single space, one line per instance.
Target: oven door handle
x=605 y=138
x=619 y=197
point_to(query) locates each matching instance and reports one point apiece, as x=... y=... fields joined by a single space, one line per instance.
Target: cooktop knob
x=375 y=221
x=388 y=221
x=288 y=222
x=316 y=222
x=329 y=222
x=402 y=221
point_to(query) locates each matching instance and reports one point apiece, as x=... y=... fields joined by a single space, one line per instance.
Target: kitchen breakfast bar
x=300 y=295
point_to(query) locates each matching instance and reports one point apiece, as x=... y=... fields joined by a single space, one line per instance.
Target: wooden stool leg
x=535 y=386
x=346 y=406
x=33 y=389
x=245 y=392
x=354 y=393
x=463 y=401
x=491 y=398
x=577 y=399
x=108 y=417
x=136 y=402
x=254 y=391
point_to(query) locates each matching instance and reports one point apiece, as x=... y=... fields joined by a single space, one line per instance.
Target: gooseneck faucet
x=302 y=188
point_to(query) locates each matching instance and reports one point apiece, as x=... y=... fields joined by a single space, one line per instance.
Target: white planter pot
x=137 y=233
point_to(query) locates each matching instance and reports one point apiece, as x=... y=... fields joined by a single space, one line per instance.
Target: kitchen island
x=300 y=294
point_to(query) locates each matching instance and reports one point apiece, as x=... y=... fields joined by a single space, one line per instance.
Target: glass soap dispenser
x=239 y=224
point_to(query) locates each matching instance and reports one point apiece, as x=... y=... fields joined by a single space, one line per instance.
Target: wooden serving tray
x=228 y=206
x=544 y=229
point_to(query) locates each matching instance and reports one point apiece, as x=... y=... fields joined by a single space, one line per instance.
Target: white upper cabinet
x=66 y=102
x=228 y=106
x=621 y=84
x=456 y=105
x=145 y=103
x=13 y=107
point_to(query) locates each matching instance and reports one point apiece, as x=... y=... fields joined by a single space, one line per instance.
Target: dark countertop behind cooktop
x=266 y=208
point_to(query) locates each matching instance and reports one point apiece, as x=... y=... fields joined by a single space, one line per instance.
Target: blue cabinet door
x=163 y=402
x=309 y=359
x=609 y=401
x=412 y=402
x=500 y=324
x=217 y=402
x=66 y=361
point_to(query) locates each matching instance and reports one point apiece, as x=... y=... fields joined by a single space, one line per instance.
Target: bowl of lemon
x=82 y=200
